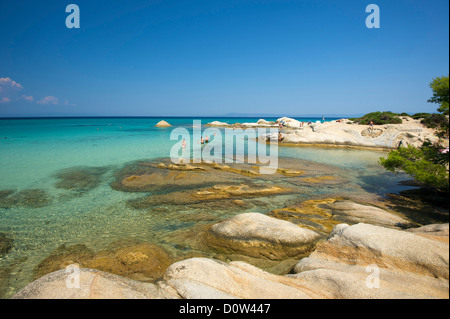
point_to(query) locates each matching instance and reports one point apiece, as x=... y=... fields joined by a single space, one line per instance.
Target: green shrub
x=425 y=164
x=434 y=120
x=418 y=116
x=379 y=118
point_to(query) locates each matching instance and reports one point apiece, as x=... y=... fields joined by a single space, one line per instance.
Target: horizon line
x=169 y=116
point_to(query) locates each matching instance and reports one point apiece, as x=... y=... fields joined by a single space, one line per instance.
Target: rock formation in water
x=163 y=124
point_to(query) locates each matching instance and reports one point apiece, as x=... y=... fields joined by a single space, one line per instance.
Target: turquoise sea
x=34 y=151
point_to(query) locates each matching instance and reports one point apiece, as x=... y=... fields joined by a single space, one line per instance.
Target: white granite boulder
x=259 y=235
x=92 y=284
x=366 y=261
x=347 y=211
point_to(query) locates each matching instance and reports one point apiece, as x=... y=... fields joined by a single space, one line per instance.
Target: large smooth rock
x=201 y=278
x=289 y=122
x=259 y=235
x=347 y=211
x=407 y=265
x=93 y=284
x=217 y=123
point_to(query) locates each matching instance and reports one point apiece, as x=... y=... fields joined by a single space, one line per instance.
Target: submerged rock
x=6 y=201
x=140 y=261
x=5 y=193
x=5 y=244
x=211 y=194
x=62 y=257
x=80 y=179
x=166 y=176
x=31 y=198
x=144 y=262
x=163 y=175
x=324 y=180
x=261 y=236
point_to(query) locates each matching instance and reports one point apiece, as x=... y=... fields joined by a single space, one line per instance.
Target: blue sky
x=210 y=58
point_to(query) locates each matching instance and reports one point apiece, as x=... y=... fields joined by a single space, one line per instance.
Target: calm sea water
x=32 y=151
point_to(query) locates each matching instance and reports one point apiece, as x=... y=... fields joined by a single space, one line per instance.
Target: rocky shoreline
x=343 y=133
x=381 y=254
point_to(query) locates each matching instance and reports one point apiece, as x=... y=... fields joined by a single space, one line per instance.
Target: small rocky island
x=162 y=124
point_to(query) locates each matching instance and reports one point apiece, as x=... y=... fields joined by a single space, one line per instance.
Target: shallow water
x=69 y=165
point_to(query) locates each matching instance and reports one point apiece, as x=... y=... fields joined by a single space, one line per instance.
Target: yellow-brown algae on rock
x=210 y=194
x=139 y=261
x=144 y=262
x=62 y=257
x=324 y=214
x=290 y=172
x=309 y=215
x=239 y=202
x=243 y=190
x=319 y=179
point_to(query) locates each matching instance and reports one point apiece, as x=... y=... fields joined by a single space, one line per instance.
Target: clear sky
x=215 y=57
